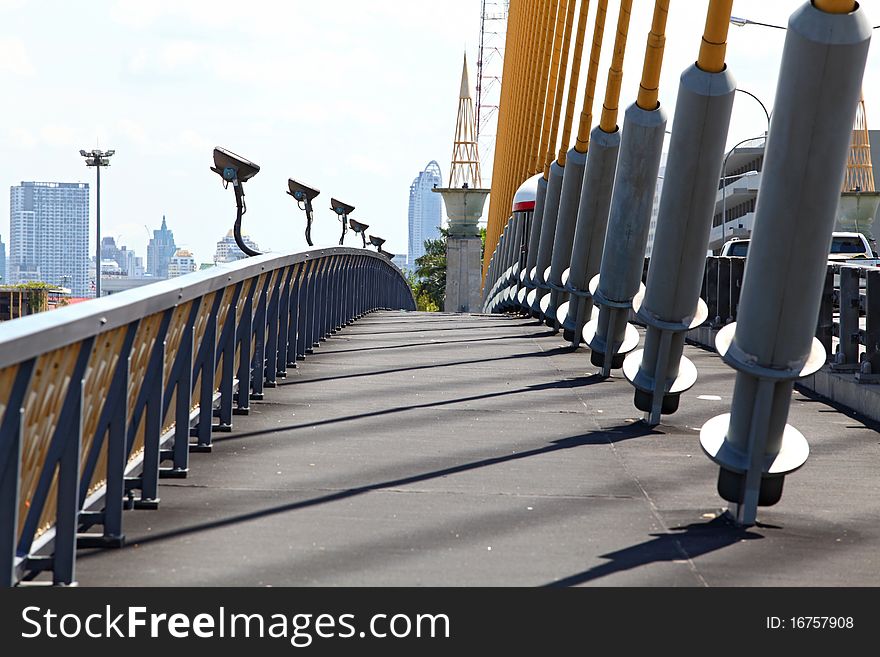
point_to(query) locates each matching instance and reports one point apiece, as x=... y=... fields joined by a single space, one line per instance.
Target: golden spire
x=465 y=167
x=859 y=170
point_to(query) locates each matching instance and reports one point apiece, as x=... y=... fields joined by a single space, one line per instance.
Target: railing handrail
x=30 y=336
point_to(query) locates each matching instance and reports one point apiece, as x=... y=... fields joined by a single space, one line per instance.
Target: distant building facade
x=126 y=261
x=49 y=235
x=227 y=250
x=401 y=262
x=160 y=250
x=181 y=263
x=425 y=211
x=4 y=277
x=655 y=208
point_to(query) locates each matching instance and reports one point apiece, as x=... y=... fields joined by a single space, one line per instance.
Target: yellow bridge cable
x=503 y=140
x=649 y=88
x=552 y=85
x=540 y=118
x=529 y=99
x=582 y=142
x=608 y=122
x=560 y=87
x=835 y=6
x=573 y=81
x=714 y=45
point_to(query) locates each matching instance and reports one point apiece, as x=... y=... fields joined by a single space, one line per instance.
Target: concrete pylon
x=464 y=271
x=620 y=279
x=590 y=228
x=464 y=198
x=772 y=343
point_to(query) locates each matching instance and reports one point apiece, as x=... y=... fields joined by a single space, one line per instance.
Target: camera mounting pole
x=343 y=210
x=303 y=194
x=236 y=170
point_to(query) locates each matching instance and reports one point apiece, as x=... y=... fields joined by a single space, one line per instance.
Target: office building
x=227 y=250
x=181 y=263
x=160 y=250
x=49 y=235
x=425 y=211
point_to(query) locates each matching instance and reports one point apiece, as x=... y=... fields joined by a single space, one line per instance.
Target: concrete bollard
x=589 y=234
x=530 y=279
x=566 y=221
x=773 y=343
x=610 y=336
x=671 y=303
x=545 y=245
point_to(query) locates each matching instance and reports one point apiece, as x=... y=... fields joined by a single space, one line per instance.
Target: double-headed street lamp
x=97 y=158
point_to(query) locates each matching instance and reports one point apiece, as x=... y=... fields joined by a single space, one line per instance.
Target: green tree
x=428 y=282
x=429 y=285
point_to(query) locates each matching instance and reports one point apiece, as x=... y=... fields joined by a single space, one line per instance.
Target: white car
x=844 y=246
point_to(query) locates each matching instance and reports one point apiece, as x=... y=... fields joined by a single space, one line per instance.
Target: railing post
x=295 y=332
x=226 y=349
x=245 y=333
x=848 y=346
x=258 y=359
x=282 y=348
x=10 y=472
x=153 y=412
x=869 y=371
x=112 y=428
x=181 y=382
x=825 y=327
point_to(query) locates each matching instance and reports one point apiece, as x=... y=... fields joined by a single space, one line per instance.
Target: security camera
x=343 y=210
x=304 y=196
x=340 y=208
x=235 y=169
x=376 y=241
x=359 y=228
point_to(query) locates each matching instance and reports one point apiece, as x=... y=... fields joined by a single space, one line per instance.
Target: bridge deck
x=428 y=449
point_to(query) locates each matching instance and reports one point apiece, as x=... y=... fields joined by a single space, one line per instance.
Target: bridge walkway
x=438 y=449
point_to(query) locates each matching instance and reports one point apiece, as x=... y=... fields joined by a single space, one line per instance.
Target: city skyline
x=167 y=99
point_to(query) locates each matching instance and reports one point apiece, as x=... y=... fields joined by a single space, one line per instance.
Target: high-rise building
x=425 y=211
x=655 y=209
x=228 y=251
x=181 y=263
x=49 y=234
x=126 y=260
x=4 y=277
x=160 y=251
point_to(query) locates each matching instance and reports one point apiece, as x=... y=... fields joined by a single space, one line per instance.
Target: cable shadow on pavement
x=601 y=437
x=562 y=384
x=680 y=543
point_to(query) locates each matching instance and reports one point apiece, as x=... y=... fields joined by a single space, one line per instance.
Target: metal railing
x=850 y=311
x=100 y=400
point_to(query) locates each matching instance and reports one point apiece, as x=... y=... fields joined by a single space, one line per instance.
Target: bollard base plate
x=792 y=454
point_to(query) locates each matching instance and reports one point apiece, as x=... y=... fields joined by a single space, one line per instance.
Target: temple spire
x=465 y=168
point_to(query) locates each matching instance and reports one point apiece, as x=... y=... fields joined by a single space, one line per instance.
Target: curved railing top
x=30 y=336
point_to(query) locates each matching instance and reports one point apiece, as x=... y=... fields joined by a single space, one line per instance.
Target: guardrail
x=850 y=311
x=100 y=400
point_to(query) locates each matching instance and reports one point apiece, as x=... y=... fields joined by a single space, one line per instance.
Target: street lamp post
x=97 y=158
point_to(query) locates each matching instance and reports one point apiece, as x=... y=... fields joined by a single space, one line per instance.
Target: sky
x=354 y=98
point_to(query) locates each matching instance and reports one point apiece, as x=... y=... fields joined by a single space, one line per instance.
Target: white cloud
x=133 y=131
x=14 y=58
x=54 y=134
x=23 y=137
